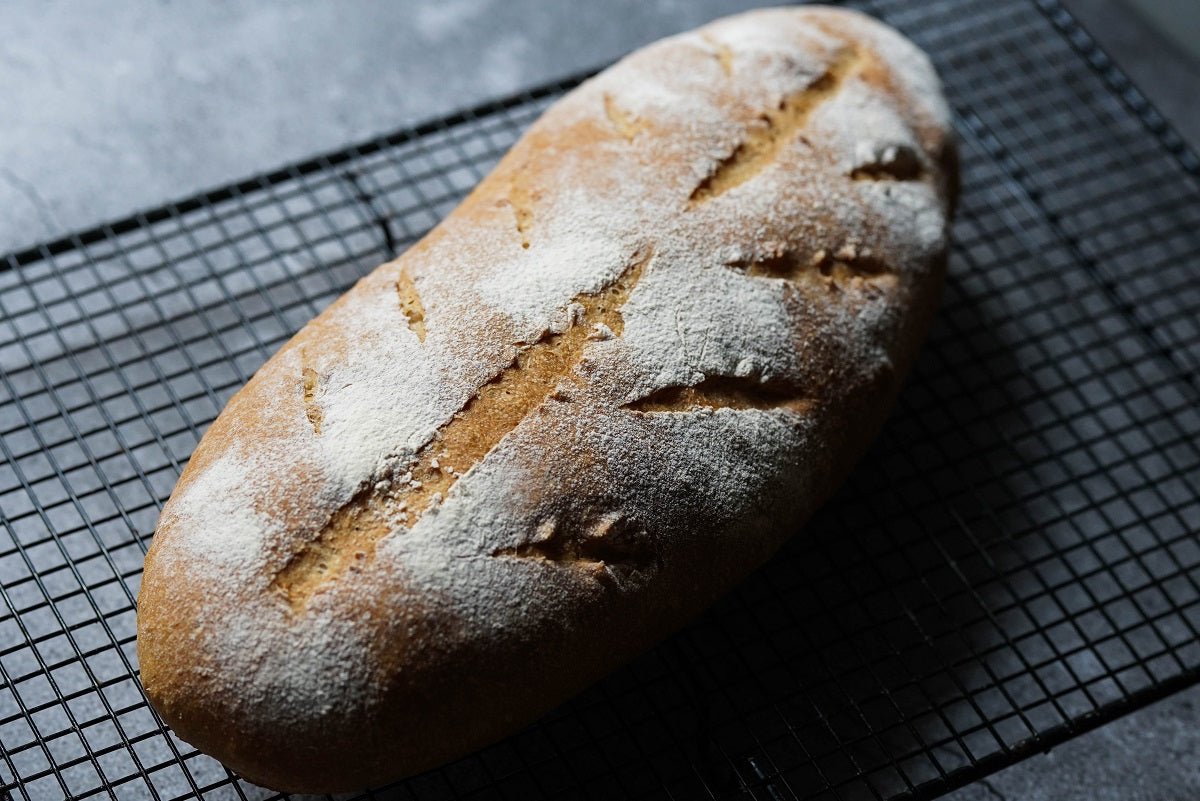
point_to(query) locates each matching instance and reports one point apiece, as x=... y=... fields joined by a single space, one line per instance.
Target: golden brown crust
x=606 y=387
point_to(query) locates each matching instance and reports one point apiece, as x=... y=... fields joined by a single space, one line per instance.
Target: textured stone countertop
x=114 y=106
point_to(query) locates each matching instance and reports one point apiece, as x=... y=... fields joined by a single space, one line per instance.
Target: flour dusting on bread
x=610 y=383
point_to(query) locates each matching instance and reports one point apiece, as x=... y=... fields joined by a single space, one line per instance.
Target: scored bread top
x=613 y=378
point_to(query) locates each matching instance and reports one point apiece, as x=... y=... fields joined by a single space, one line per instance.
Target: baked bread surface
x=598 y=394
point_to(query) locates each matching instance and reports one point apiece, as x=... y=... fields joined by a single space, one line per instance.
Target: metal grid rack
x=1015 y=561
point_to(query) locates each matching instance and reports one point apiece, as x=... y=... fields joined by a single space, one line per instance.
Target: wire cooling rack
x=1015 y=561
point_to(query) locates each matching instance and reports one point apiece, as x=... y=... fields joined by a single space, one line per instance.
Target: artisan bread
x=592 y=399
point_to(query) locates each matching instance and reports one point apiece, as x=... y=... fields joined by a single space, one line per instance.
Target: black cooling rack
x=1015 y=561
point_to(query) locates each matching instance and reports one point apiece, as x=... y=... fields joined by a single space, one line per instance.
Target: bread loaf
x=592 y=399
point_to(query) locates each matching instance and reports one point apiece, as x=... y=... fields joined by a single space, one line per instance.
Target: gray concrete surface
x=1178 y=20
x=1145 y=38
x=1152 y=755
x=108 y=107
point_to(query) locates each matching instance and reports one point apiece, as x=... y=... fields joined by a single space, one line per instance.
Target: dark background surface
x=113 y=107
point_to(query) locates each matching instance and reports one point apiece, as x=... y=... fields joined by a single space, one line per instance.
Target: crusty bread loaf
x=597 y=395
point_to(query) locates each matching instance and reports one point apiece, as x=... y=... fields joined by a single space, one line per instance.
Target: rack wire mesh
x=1015 y=561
